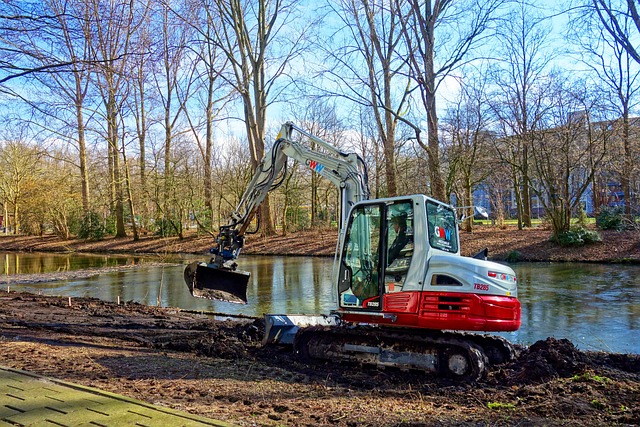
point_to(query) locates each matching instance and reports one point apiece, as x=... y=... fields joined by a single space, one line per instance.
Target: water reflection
x=595 y=306
x=34 y=262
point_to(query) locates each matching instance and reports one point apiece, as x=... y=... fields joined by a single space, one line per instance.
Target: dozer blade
x=219 y=284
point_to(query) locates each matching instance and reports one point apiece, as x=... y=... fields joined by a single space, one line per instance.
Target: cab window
x=360 y=263
x=443 y=227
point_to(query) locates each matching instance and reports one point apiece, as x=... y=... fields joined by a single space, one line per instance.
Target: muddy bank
x=219 y=369
x=524 y=245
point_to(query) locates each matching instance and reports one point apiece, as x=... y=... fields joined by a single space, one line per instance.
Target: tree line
x=135 y=116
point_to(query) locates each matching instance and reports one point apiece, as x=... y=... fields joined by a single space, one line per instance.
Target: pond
x=596 y=306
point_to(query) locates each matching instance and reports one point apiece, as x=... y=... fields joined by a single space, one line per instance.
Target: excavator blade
x=214 y=283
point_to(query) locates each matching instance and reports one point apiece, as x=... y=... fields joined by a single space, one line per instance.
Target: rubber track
x=326 y=343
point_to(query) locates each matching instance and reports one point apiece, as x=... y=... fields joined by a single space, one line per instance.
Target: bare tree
x=232 y=172
x=518 y=102
x=469 y=139
x=440 y=36
x=21 y=23
x=369 y=69
x=18 y=164
x=110 y=30
x=256 y=37
x=319 y=118
x=615 y=69
x=58 y=100
x=141 y=103
x=621 y=20
x=174 y=83
x=212 y=94
x=568 y=152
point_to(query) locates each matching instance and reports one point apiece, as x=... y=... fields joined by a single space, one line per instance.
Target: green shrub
x=165 y=228
x=110 y=225
x=91 y=227
x=610 y=218
x=582 y=216
x=513 y=256
x=577 y=236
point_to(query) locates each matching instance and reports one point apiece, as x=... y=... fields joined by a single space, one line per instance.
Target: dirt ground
x=218 y=368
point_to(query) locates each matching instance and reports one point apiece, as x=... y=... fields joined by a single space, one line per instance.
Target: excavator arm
x=219 y=278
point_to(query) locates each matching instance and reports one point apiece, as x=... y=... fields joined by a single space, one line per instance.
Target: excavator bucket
x=216 y=283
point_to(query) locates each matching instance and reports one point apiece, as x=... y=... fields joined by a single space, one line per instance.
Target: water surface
x=596 y=306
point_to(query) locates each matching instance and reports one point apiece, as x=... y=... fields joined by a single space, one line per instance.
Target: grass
x=498 y=406
x=590 y=376
x=534 y=222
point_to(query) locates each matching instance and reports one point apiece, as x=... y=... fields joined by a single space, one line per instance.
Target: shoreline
x=509 y=244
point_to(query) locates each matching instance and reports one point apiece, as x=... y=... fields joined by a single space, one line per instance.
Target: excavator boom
x=219 y=279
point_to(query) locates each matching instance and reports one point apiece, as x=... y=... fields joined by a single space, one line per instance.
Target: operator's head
x=399 y=222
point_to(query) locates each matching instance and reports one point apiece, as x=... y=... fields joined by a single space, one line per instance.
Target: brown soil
x=218 y=368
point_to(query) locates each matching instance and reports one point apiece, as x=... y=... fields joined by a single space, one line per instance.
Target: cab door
x=359 y=282
x=376 y=255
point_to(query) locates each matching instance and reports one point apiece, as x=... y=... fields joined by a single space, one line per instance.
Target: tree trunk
x=468 y=201
x=16 y=218
x=82 y=154
x=112 y=131
x=627 y=165
x=526 y=193
x=208 y=151
x=433 y=141
x=142 y=136
x=127 y=182
x=255 y=131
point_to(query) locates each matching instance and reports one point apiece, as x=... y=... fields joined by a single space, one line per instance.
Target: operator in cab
x=399 y=224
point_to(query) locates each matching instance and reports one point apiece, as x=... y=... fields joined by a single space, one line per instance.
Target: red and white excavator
x=405 y=296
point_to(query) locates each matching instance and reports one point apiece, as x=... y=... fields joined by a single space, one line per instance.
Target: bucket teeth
x=216 y=283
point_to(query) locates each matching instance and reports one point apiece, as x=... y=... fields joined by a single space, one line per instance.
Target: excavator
x=405 y=296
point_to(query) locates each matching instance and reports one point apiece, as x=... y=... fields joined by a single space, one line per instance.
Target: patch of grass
x=590 y=376
x=598 y=405
x=499 y=406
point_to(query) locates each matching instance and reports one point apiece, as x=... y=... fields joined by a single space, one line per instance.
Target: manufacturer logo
x=315 y=165
x=443 y=233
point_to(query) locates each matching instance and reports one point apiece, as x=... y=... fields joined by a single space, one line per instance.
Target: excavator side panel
x=444 y=311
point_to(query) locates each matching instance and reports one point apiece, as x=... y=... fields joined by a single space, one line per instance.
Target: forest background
x=129 y=117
